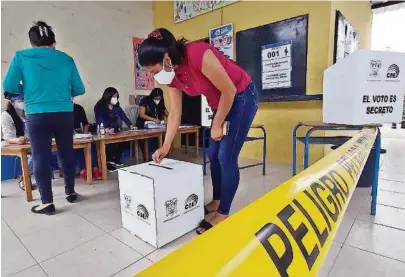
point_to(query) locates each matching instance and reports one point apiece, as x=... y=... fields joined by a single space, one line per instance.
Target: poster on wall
x=143 y=80
x=184 y=10
x=346 y=38
x=222 y=39
x=276 y=65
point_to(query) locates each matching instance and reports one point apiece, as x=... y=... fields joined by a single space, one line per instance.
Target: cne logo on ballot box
x=191 y=203
x=164 y=199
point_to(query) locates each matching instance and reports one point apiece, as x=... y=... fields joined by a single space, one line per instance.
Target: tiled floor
x=374 y=246
x=87 y=239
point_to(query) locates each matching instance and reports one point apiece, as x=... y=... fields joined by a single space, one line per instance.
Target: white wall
x=96 y=34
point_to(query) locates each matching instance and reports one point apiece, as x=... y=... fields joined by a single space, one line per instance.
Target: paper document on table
x=82 y=136
x=154 y=125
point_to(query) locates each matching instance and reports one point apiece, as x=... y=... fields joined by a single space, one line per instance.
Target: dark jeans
x=224 y=154
x=41 y=129
x=115 y=150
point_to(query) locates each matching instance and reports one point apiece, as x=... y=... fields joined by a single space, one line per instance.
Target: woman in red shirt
x=198 y=68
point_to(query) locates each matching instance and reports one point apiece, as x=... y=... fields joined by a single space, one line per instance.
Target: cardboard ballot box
x=161 y=202
x=367 y=87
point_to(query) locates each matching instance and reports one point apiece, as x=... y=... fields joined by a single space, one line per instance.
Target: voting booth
x=206 y=113
x=367 y=87
x=161 y=202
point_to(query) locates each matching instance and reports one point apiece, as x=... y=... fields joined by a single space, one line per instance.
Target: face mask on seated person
x=157 y=101
x=114 y=101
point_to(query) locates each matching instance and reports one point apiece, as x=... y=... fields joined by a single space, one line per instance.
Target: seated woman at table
x=13 y=127
x=108 y=111
x=152 y=108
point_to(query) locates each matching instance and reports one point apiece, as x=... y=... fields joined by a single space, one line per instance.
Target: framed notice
x=184 y=10
x=222 y=39
x=143 y=80
x=276 y=65
x=346 y=38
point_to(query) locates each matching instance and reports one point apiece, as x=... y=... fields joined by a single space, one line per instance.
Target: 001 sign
x=273 y=54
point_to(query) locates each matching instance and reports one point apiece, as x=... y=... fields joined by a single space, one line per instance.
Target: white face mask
x=163 y=77
x=19 y=105
x=157 y=101
x=114 y=101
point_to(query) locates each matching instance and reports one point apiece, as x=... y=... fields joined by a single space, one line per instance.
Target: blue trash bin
x=10 y=167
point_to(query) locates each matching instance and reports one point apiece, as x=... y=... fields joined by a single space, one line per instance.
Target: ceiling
x=380 y=4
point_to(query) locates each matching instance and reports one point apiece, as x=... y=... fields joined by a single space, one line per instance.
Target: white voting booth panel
x=367 y=87
x=161 y=202
x=206 y=112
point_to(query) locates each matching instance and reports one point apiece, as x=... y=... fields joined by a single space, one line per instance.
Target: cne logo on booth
x=142 y=213
x=393 y=71
x=191 y=203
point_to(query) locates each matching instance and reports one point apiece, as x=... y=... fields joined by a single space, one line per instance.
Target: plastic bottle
x=102 y=130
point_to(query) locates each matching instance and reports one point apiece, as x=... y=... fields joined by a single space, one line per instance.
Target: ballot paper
x=82 y=136
x=154 y=125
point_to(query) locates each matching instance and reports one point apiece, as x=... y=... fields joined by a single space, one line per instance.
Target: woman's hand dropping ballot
x=160 y=154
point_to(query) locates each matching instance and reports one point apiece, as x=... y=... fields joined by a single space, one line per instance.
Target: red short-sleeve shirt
x=192 y=81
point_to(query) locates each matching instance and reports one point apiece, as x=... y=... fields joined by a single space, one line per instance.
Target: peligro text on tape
x=287 y=232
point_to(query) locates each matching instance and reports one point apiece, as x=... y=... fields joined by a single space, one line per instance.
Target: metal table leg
x=203 y=151
x=294 y=149
x=264 y=149
x=374 y=189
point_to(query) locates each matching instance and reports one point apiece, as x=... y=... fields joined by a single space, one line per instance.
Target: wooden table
x=188 y=130
x=123 y=137
x=135 y=136
x=22 y=151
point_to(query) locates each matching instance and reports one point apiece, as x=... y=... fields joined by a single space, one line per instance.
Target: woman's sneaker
x=111 y=167
x=118 y=163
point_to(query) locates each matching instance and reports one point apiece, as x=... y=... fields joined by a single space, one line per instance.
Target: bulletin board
x=275 y=56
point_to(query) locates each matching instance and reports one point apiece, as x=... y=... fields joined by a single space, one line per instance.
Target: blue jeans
x=224 y=154
x=41 y=128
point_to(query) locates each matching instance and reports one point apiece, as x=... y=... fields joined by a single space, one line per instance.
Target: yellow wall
x=280 y=118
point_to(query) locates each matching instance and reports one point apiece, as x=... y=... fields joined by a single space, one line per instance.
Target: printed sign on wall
x=276 y=65
x=346 y=37
x=222 y=39
x=184 y=10
x=143 y=80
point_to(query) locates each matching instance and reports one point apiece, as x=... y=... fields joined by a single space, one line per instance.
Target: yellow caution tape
x=287 y=232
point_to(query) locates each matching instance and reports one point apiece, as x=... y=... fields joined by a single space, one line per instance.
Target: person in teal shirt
x=48 y=79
